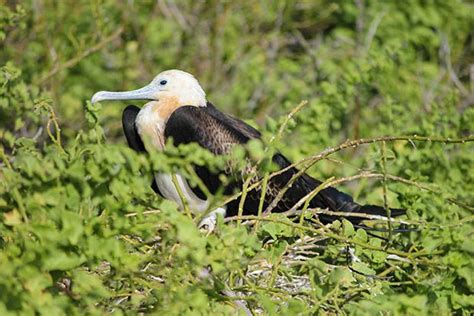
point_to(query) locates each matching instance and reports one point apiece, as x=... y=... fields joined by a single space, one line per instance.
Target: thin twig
x=290 y=115
x=318 y=211
x=184 y=201
x=244 y=195
x=385 y=191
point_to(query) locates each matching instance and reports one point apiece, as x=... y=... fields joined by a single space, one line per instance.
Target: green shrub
x=81 y=231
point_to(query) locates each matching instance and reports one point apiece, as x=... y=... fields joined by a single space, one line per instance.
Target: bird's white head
x=171 y=87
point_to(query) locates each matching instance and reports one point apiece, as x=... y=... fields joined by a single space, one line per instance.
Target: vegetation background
x=81 y=232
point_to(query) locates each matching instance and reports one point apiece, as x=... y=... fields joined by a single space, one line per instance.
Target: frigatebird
x=178 y=108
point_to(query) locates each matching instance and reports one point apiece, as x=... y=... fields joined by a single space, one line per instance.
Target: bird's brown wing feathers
x=218 y=132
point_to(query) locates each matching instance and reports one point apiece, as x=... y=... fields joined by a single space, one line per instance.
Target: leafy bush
x=81 y=231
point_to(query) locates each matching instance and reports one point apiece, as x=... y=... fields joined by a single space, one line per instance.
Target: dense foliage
x=81 y=231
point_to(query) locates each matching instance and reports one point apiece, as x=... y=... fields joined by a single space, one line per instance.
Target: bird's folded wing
x=212 y=130
x=208 y=127
x=218 y=132
x=129 y=116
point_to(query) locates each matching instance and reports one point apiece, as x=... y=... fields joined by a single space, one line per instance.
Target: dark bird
x=178 y=109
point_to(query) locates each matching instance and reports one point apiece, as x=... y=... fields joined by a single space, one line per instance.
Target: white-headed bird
x=178 y=108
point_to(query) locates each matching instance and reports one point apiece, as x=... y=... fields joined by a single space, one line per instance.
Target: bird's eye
x=163 y=82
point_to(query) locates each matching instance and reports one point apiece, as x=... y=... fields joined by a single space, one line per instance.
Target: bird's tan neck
x=166 y=106
x=152 y=118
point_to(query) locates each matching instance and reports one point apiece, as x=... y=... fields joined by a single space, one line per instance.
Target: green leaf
x=59 y=260
x=363 y=268
x=341 y=276
x=347 y=228
x=12 y=218
x=276 y=230
x=72 y=227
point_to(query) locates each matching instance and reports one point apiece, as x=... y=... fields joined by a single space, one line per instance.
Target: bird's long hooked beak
x=145 y=93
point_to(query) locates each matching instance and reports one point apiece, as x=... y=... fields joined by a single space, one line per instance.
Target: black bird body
x=178 y=109
x=218 y=133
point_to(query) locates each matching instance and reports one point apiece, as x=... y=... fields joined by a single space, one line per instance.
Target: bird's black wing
x=214 y=131
x=217 y=132
x=134 y=141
